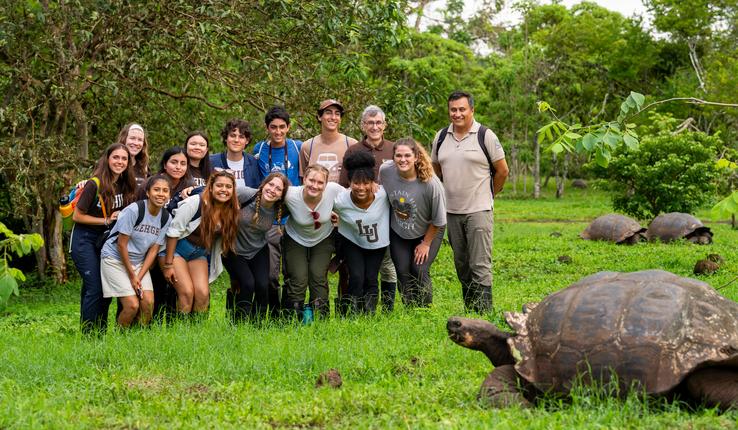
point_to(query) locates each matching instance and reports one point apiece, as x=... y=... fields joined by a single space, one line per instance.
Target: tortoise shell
x=614 y=228
x=675 y=225
x=651 y=328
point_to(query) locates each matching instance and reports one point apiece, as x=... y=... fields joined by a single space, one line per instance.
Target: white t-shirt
x=300 y=225
x=236 y=167
x=366 y=228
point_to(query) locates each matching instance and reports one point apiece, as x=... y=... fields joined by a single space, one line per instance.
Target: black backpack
x=141 y=204
x=480 y=138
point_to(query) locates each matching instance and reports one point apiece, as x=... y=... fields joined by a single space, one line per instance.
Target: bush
x=667 y=173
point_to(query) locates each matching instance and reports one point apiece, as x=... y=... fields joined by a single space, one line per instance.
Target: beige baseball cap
x=329 y=102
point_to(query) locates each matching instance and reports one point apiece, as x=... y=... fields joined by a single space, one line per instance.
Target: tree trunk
x=80 y=120
x=55 y=244
x=514 y=170
x=37 y=226
x=561 y=179
x=537 y=168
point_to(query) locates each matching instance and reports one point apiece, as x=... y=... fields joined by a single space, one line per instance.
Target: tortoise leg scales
x=715 y=386
x=502 y=389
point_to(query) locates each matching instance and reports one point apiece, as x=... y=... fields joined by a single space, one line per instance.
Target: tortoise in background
x=614 y=228
x=676 y=225
x=651 y=330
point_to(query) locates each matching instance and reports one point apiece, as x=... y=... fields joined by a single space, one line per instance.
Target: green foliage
x=216 y=375
x=20 y=245
x=600 y=139
x=666 y=173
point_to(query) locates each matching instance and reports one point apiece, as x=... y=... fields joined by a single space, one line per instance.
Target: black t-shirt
x=196 y=177
x=89 y=204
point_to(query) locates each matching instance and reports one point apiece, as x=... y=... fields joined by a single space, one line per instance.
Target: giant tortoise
x=650 y=330
x=676 y=225
x=614 y=228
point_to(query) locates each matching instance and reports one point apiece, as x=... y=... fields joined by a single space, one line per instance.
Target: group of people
x=370 y=209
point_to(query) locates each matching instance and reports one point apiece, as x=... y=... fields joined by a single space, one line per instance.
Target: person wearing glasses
x=373 y=124
x=308 y=245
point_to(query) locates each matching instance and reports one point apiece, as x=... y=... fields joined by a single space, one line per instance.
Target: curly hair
x=423 y=165
x=236 y=123
x=215 y=212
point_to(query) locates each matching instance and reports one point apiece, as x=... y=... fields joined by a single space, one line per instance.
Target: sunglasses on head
x=316 y=216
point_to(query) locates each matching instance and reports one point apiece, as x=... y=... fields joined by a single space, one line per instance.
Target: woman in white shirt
x=364 y=230
x=307 y=245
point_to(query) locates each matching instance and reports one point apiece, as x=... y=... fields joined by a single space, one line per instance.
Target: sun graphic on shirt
x=402 y=199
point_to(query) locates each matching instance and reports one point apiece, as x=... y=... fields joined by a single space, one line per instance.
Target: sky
x=626 y=7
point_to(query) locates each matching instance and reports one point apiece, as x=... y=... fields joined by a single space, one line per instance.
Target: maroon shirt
x=383 y=152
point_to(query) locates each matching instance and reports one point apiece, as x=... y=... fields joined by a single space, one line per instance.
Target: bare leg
x=130 y=310
x=716 y=386
x=503 y=388
x=200 y=286
x=183 y=286
x=146 y=308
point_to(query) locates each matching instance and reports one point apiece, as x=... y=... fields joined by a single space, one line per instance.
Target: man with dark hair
x=329 y=147
x=236 y=135
x=470 y=161
x=277 y=154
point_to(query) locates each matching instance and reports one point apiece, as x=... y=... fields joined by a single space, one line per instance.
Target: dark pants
x=251 y=299
x=86 y=257
x=363 y=269
x=414 y=281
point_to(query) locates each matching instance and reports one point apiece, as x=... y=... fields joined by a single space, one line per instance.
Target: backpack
x=141 y=205
x=480 y=138
x=67 y=204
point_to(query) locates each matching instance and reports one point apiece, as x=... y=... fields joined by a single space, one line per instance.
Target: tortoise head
x=481 y=335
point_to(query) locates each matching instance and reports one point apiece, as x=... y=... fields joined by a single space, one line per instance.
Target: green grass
x=399 y=370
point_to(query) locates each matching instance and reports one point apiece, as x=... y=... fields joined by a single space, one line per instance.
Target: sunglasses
x=316 y=216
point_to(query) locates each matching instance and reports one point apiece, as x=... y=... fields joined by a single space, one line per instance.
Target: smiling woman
x=130 y=251
x=111 y=189
x=260 y=208
x=133 y=136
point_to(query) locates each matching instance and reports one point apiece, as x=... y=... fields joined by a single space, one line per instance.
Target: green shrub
x=667 y=173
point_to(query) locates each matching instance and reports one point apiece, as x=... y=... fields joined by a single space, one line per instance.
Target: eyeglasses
x=373 y=123
x=316 y=216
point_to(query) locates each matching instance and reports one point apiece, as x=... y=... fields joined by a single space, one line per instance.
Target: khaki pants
x=470 y=236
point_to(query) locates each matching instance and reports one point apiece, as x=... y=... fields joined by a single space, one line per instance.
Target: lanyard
x=285 y=156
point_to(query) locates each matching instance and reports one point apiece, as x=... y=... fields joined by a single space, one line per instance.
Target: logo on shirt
x=370 y=232
x=404 y=208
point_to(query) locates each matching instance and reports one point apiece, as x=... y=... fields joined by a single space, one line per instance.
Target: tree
x=74 y=72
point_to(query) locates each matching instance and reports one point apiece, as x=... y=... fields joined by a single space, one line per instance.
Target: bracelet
x=105 y=222
x=167 y=266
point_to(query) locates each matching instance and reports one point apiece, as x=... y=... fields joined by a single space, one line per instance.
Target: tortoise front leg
x=716 y=386
x=503 y=388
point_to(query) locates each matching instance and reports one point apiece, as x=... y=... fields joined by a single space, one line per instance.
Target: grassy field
x=399 y=370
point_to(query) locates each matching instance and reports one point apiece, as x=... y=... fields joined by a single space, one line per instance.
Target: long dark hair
x=204 y=166
x=126 y=183
x=226 y=213
x=186 y=179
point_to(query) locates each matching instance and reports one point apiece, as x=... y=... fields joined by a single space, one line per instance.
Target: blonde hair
x=423 y=165
x=317 y=168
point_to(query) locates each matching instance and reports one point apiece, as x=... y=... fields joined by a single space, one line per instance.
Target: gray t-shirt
x=252 y=237
x=140 y=237
x=415 y=204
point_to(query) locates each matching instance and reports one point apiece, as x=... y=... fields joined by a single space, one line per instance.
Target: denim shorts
x=190 y=251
